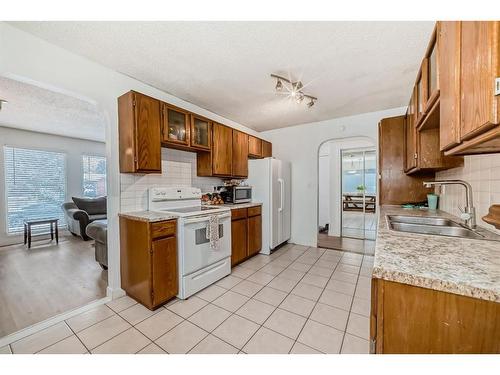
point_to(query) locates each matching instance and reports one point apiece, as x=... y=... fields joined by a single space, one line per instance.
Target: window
x=94 y=175
x=35 y=183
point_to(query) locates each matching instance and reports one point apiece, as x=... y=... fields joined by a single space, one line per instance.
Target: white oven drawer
x=201 y=279
x=197 y=251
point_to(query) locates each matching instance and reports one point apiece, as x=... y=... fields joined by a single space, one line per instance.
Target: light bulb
x=311 y=103
x=299 y=97
x=279 y=85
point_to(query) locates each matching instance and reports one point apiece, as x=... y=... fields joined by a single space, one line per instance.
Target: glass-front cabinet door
x=176 y=126
x=201 y=133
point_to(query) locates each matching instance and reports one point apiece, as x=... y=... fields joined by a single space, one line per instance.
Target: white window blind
x=35 y=184
x=94 y=175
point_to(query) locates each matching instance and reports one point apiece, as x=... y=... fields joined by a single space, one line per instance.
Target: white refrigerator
x=270 y=181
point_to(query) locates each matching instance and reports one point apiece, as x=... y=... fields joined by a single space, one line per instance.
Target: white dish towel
x=213 y=231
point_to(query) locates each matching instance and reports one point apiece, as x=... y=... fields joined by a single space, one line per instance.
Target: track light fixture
x=294 y=90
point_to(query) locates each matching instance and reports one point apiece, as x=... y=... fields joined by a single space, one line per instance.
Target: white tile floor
x=297 y=300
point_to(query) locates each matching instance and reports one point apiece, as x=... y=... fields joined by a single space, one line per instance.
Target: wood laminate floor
x=46 y=280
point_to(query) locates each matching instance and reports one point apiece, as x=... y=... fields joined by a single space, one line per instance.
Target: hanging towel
x=213 y=232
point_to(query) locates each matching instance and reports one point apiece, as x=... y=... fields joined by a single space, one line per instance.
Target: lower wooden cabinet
x=148 y=260
x=246 y=233
x=407 y=319
x=239 y=238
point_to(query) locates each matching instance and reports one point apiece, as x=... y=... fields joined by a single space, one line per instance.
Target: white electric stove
x=199 y=265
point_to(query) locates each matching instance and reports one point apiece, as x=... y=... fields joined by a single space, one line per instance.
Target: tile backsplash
x=483 y=173
x=178 y=169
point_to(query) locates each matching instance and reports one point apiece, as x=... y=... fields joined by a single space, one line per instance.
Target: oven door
x=197 y=251
x=242 y=194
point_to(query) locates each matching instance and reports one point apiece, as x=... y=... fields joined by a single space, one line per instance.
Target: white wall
x=300 y=145
x=26 y=57
x=73 y=148
x=178 y=169
x=483 y=173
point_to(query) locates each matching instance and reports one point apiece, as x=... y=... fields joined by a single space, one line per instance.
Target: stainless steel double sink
x=437 y=226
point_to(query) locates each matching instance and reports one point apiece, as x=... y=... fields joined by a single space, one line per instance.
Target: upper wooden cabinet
x=222 y=150
x=449 y=83
x=254 y=147
x=410 y=136
x=240 y=154
x=201 y=133
x=395 y=187
x=432 y=71
x=470 y=65
x=175 y=126
x=139 y=133
x=218 y=162
x=267 y=149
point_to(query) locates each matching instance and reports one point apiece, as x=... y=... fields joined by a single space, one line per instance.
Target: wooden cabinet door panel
x=164 y=264
x=240 y=154
x=254 y=147
x=239 y=250
x=147 y=133
x=267 y=149
x=410 y=135
x=222 y=150
x=254 y=235
x=175 y=126
x=478 y=54
x=449 y=83
x=201 y=133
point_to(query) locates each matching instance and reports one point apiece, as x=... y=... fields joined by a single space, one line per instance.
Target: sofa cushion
x=97 y=217
x=93 y=206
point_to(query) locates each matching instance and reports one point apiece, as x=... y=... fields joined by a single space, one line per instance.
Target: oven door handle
x=205 y=218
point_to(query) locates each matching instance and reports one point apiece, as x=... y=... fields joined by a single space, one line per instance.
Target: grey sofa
x=83 y=211
x=98 y=230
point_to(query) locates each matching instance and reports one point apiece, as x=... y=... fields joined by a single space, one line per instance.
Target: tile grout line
x=317 y=301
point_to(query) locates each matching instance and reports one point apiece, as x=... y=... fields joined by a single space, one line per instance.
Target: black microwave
x=236 y=194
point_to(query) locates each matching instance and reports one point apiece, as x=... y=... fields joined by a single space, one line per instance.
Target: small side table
x=31 y=223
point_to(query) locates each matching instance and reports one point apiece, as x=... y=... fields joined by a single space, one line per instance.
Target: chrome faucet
x=468 y=213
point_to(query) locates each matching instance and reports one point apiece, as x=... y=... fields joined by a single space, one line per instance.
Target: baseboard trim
x=16 y=336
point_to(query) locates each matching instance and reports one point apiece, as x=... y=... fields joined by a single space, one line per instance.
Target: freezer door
x=286 y=214
x=276 y=203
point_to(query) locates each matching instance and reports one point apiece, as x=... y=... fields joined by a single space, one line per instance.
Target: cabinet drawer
x=254 y=211
x=239 y=213
x=163 y=229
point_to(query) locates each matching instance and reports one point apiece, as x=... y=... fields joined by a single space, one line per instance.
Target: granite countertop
x=461 y=266
x=148 y=216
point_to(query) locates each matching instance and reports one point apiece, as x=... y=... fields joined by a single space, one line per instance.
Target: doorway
x=359 y=195
x=347 y=196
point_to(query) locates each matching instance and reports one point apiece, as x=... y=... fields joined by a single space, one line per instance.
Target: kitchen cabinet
x=246 y=233
x=254 y=225
x=473 y=125
x=407 y=319
x=254 y=147
x=148 y=260
x=432 y=71
x=395 y=186
x=175 y=126
x=239 y=236
x=201 y=133
x=240 y=154
x=449 y=83
x=410 y=140
x=219 y=161
x=139 y=133
x=267 y=149
x=421 y=93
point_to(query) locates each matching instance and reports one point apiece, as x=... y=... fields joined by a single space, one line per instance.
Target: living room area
x=53 y=221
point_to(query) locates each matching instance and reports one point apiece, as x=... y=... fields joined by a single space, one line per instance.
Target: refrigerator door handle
x=281 y=182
